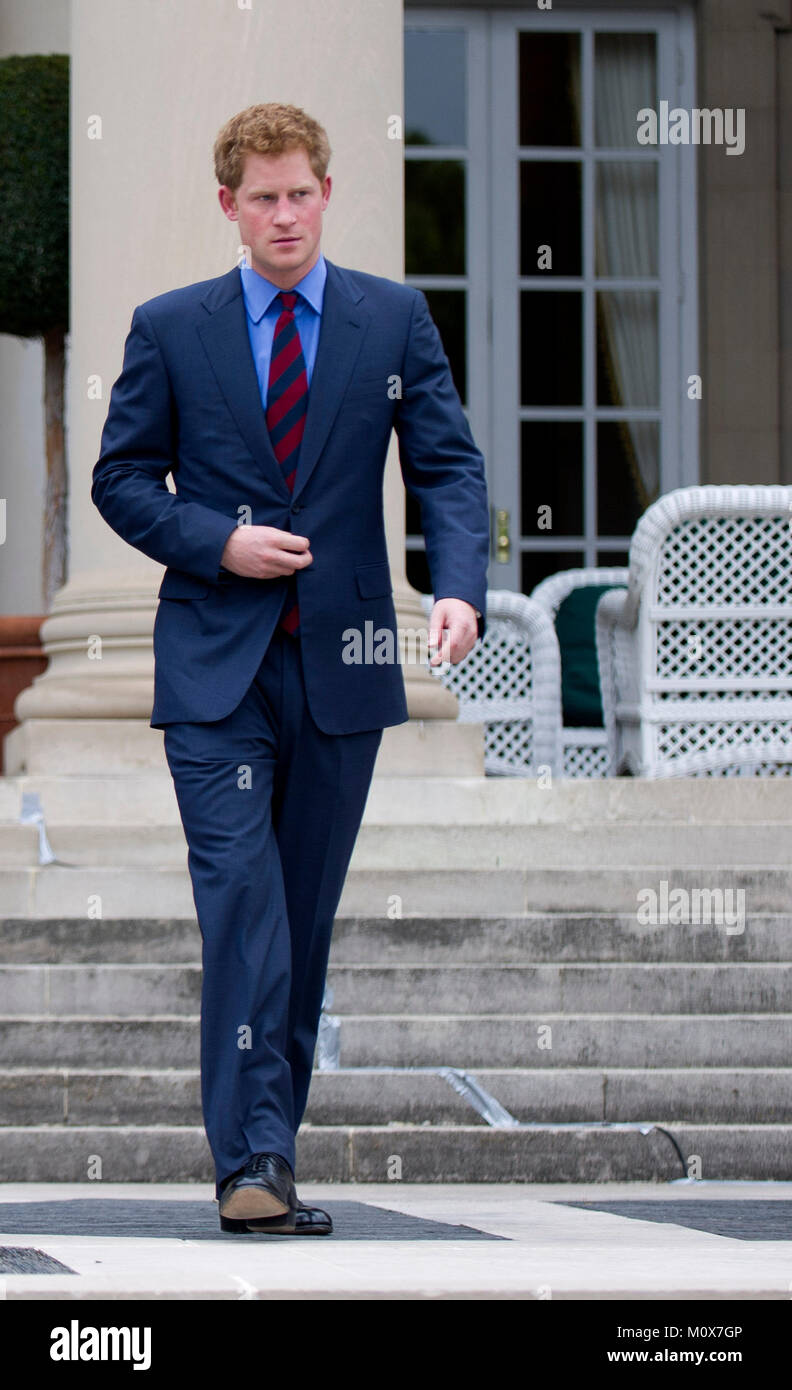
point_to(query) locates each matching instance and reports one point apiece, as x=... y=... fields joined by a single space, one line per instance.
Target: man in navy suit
x=270 y=394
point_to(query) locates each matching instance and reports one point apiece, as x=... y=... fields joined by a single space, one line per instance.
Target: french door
x=558 y=257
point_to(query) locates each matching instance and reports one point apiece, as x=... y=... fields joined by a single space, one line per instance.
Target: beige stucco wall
x=741 y=200
x=22 y=474
x=34 y=26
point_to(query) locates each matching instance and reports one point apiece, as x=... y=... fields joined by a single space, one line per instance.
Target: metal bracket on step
x=32 y=814
x=474 y=1093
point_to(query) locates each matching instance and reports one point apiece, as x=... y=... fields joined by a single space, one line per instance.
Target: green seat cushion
x=581 y=701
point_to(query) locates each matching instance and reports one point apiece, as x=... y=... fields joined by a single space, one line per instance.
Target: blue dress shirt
x=263 y=310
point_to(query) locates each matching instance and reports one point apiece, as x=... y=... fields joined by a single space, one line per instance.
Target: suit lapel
x=225 y=338
x=224 y=335
x=340 y=337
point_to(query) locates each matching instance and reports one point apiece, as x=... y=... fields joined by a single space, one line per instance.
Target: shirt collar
x=259 y=292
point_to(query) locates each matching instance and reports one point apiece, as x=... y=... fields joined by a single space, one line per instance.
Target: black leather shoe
x=263 y=1190
x=306 y=1221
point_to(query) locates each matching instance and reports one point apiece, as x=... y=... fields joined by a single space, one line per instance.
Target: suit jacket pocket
x=179 y=584
x=374 y=581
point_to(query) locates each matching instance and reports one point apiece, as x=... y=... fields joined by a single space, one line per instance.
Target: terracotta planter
x=21 y=660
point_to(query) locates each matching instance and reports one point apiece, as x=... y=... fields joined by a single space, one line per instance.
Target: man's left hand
x=453 y=630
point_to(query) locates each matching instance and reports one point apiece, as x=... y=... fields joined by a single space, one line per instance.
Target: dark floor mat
x=742 y=1220
x=15 y=1259
x=99 y=1216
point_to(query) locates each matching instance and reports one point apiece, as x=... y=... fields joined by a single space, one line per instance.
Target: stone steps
x=404 y=1040
x=409 y=1153
x=531 y=938
x=646 y=1040
x=162 y=891
x=381 y=1096
x=568 y=989
x=411 y=848
x=147 y=798
x=488 y=925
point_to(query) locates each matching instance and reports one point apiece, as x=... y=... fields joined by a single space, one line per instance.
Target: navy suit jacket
x=187 y=401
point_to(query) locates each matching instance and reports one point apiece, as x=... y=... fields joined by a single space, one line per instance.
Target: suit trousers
x=271 y=808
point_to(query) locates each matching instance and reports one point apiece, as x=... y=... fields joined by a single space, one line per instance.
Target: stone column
x=151 y=85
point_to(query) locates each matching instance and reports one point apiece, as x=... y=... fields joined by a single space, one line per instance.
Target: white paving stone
x=551 y=1250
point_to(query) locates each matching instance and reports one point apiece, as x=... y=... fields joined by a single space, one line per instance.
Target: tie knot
x=288 y=299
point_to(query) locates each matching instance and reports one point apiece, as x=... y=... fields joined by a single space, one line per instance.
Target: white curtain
x=626 y=241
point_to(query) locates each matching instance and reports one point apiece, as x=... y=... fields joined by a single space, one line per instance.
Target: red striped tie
x=287 y=403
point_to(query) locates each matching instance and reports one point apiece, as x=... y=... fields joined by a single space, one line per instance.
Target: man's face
x=279 y=206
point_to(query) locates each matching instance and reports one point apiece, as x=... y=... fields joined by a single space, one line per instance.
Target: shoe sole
x=276 y=1229
x=252 y=1202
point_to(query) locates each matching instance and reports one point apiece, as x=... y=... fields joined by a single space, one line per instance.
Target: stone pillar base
x=431 y=748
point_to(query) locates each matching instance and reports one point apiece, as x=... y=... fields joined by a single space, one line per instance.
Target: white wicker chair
x=511 y=683
x=696 y=657
x=584 y=750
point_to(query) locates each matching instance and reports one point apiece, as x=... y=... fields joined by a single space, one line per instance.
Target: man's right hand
x=265 y=552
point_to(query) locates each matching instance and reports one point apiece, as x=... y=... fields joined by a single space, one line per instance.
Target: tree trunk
x=54 y=553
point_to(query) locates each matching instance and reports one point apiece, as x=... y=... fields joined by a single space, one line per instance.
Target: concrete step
x=430 y=847
x=514 y=892
x=556 y=1040
x=535 y=846
x=521 y=801
x=156 y=891
x=560 y=937
x=409 y=1153
x=83 y=990
x=147 y=798
x=373 y=1096
x=531 y=938
x=678 y=988
x=89 y=844
x=730 y=1095
x=547 y=1040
